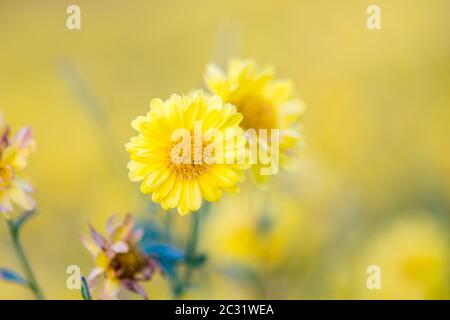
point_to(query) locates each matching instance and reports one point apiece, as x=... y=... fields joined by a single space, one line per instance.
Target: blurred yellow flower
x=254 y=235
x=119 y=259
x=412 y=255
x=15 y=187
x=183 y=183
x=264 y=102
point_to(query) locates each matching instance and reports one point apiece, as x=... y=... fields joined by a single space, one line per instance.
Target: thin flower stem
x=32 y=283
x=191 y=251
x=191 y=247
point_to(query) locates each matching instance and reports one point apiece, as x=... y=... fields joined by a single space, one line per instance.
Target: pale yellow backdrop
x=374 y=179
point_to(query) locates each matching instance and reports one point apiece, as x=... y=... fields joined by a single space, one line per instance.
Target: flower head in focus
x=119 y=258
x=188 y=149
x=265 y=103
x=15 y=186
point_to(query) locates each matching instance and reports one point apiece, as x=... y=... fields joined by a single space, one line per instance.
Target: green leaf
x=85 y=293
x=198 y=260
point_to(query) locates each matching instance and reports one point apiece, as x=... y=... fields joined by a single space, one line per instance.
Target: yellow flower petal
x=195 y=195
x=111 y=289
x=90 y=245
x=102 y=260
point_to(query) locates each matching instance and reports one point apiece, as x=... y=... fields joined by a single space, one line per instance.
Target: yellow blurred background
x=372 y=187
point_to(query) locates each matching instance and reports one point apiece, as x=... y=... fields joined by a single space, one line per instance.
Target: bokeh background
x=372 y=187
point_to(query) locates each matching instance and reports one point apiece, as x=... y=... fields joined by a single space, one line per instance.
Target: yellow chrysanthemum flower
x=185 y=152
x=15 y=187
x=264 y=102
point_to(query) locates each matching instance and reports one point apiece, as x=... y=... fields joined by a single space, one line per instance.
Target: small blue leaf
x=11 y=276
x=152 y=232
x=168 y=256
x=163 y=250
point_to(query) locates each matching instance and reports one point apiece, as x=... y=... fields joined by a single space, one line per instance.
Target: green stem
x=191 y=246
x=26 y=268
x=191 y=250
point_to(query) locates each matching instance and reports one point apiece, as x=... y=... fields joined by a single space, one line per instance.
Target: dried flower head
x=119 y=258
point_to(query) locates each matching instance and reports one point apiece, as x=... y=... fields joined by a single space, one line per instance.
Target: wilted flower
x=264 y=102
x=184 y=184
x=119 y=258
x=15 y=187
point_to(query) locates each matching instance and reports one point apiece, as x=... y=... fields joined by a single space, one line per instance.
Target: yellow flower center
x=258 y=112
x=128 y=265
x=186 y=166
